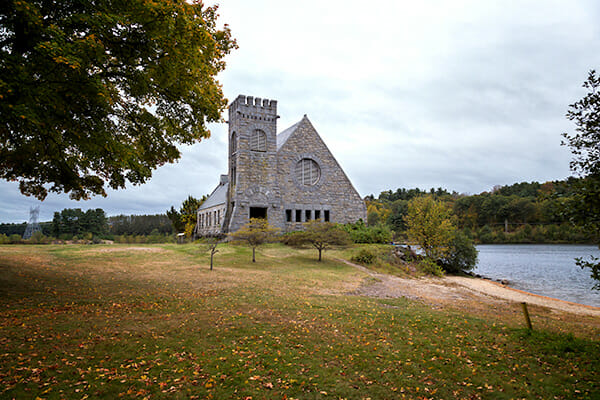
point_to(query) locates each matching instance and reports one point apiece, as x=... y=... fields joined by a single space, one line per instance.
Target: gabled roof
x=283 y=136
x=218 y=196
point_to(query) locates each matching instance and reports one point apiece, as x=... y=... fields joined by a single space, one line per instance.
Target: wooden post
x=526 y=313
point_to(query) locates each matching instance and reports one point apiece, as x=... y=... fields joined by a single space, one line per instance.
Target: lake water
x=548 y=270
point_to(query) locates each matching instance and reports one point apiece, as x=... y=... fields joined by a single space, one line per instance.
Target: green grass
x=123 y=322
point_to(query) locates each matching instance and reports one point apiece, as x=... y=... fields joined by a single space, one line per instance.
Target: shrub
x=4 y=239
x=65 y=236
x=364 y=256
x=38 y=238
x=294 y=239
x=14 y=238
x=462 y=254
x=360 y=233
x=430 y=267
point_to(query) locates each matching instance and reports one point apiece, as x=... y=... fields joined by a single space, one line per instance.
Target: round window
x=308 y=172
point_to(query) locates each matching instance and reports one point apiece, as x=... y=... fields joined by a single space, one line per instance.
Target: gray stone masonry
x=253 y=181
x=333 y=193
x=272 y=182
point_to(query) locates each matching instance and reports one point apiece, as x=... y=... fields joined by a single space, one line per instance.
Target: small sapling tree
x=322 y=235
x=211 y=245
x=256 y=232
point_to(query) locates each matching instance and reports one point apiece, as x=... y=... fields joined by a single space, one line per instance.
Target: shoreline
x=505 y=283
x=496 y=289
x=456 y=289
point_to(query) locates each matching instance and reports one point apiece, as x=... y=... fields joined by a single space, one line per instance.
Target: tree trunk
x=320 y=254
x=211 y=260
x=253 y=254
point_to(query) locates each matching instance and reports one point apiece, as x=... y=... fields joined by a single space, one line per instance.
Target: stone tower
x=253 y=187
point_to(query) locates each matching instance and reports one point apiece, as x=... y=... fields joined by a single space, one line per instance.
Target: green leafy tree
x=322 y=235
x=255 y=233
x=585 y=146
x=461 y=255
x=184 y=219
x=430 y=226
x=96 y=93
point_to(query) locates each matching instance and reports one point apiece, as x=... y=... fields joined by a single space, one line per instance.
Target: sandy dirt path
x=454 y=289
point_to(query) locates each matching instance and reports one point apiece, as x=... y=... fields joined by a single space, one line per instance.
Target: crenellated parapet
x=253 y=108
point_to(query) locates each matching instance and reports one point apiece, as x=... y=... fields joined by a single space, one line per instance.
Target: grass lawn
x=126 y=321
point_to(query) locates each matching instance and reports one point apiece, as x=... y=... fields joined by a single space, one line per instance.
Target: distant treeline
x=73 y=223
x=527 y=212
x=140 y=225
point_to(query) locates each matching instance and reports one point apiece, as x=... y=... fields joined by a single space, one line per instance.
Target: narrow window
x=288 y=215
x=307 y=212
x=326 y=215
x=233 y=143
x=298 y=215
x=218 y=217
x=317 y=214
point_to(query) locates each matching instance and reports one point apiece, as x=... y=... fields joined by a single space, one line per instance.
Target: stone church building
x=288 y=178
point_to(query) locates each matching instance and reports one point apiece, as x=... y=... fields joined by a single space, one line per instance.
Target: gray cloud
x=464 y=95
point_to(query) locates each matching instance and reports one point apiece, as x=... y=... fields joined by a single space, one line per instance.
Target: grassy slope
x=110 y=321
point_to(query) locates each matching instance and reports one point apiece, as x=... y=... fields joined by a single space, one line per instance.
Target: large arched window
x=308 y=172
x=258 y=141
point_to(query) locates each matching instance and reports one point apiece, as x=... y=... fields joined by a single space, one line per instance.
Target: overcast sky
x=462 y=95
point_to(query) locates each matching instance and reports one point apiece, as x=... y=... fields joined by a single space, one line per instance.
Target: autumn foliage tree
x=255 y=233
x=430 y=226
x=100 y=93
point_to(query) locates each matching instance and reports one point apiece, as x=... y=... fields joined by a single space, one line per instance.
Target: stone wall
x=253 y=174
x=332 y=197
x=210 y=220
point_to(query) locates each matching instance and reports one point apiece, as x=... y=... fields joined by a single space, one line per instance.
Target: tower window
x=288 y=215
x=233 y=174
x=317 y=214
x=258 y=141
x=308 y=172
x=233 y=143
x=326 y=215
x=298 y=215
x=307 y=213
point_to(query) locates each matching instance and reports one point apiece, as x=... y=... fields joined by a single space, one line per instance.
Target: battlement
x=254 y=108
